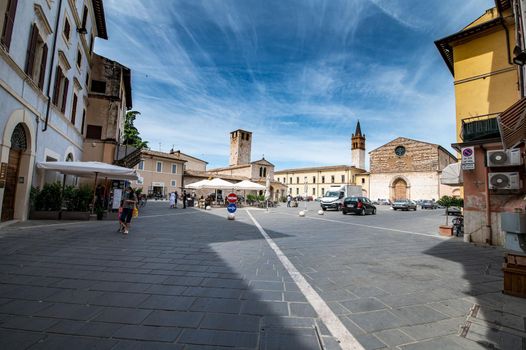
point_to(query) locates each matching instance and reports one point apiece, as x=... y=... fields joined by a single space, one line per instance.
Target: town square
x=244 y=174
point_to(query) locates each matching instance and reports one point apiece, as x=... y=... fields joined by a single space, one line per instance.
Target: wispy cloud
x=297 y=73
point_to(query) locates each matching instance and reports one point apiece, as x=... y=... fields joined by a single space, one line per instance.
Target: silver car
x=404 y=204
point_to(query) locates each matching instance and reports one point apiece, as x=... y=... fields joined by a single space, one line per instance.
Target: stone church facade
x=409 y=169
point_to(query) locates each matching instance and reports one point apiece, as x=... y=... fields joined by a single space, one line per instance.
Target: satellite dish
x=499 y=158
x=500 y=181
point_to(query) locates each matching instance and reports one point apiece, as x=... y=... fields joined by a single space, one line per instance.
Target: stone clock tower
x=358 y=148
x=240 y=147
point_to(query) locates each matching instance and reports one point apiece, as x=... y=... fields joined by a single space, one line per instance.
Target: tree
x=447 y=201
x=131 y=134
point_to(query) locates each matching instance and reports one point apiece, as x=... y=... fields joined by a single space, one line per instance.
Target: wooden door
x=400 y=189
x=8 y=204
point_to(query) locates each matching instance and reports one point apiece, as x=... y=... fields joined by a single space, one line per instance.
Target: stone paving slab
x=179 y=282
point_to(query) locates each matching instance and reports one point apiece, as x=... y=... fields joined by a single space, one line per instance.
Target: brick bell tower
x=358 y=148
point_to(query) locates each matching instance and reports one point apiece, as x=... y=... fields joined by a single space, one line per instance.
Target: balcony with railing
x=480 y=128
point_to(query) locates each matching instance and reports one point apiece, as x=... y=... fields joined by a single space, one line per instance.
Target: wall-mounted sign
x=468 y=158
x=3 y=171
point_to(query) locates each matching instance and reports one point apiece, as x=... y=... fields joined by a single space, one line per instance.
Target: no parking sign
x=468 y=158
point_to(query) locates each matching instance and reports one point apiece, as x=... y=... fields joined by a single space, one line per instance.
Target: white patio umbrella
x=90 y=169
x=219 y=184
x=247 y=185
x=198 y=185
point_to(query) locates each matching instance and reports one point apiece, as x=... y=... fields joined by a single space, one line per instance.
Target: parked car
x=358 y=205
x=428 y=205
x=454 y=211
x=404 y=204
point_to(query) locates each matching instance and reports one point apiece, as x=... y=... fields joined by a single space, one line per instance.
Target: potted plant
x=46 y=202
x=76 y=202
x=447 y=202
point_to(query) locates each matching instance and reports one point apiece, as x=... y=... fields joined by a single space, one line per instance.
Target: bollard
x=302 y=213
x=320 y=212
x=231 y=216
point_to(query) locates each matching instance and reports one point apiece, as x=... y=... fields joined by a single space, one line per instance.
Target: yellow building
x=317 y=180
x=160 y=173
x=486 y=82
x=485 y=78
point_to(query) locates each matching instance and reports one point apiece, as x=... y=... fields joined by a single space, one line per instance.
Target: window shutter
x=84 y=17
x=9 y=22
x=64 y=95
x=56 y=87
x=43 y=64
x=31 y=48
x=74 y=109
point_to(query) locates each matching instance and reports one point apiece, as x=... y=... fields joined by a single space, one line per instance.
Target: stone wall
x=419 y=156
x=420 y=185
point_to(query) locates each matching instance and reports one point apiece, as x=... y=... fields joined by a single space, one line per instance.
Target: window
x=260 y=168
x=159 y=167
x=174 y=168
x=332 y=178
x=264 y=172
x=141 y=165
x=98 y=86
x=297 y=191
x=36 y=57
x=323 y=179
x=67 y=29
x=87 y=80
x=343 y=178
x=79 y=58
x=94 y=132
x=297 y=180
x=7 y=18
x=60 y=90
x=290 y=180
x=74 y=109
x=84 y=18
x=83 y=121
x=322 y=191
x=363 y=180
x=174 y=183
x=313 y=191
x=314 y=179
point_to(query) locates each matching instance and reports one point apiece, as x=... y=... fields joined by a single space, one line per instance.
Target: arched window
x=69 y=157
x=264 y=172
x=18 y=138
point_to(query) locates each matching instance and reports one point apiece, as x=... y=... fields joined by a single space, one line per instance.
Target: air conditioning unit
x=504 y=181
x=510 y=157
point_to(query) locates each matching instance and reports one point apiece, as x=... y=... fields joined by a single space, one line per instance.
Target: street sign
x=468 y=158
x=231 y=208
x=231 y=198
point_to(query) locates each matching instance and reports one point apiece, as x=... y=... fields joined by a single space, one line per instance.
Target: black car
x=358 y=205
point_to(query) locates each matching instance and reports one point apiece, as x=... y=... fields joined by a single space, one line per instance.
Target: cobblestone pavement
x=186 y=279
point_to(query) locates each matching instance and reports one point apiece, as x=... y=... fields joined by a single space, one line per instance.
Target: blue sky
x=297 y=73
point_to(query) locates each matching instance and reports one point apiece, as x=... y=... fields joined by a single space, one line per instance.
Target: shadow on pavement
x=495 y=320
x=181 y=279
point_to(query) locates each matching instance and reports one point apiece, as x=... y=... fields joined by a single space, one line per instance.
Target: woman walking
x=129 y=202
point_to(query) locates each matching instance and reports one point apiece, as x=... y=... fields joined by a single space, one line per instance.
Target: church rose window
x=400 y=151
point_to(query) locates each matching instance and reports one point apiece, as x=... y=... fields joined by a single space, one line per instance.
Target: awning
x=90 y=169
x=452 y=175
x=512 y=124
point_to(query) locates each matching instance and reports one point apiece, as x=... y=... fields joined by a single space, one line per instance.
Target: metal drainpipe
x=48 y=88
x=489 y=238
x=503 y=23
